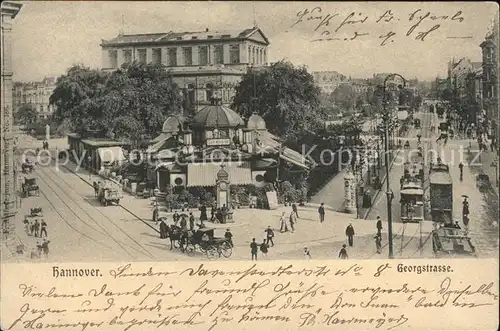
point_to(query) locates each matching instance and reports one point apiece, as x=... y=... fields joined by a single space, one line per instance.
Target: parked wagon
x=30 y=187
x=205 y=241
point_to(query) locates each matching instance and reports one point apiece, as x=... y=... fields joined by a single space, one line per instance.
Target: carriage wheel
x=190 y=250
x=177 y=243
x=212 y=252
x=203 y=248
x=226 y=249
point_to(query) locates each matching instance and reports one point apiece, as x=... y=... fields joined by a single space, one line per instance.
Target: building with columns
x=36 y=94
x=204 y=64
x=490 y=79
x=9 y=10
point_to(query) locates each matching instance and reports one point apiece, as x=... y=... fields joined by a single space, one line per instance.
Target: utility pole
x=389 y=193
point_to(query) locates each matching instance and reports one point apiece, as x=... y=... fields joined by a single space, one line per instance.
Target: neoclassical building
x=201 y=63
x=190 y=153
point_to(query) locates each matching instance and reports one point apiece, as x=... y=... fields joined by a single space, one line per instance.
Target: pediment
x=258 y=36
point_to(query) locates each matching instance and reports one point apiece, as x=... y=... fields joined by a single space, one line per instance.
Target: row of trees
x=131 y=103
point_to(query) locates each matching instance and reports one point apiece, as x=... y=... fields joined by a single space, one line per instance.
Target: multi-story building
x=202 y=63
x=36 y=94
x=490 y=77
x=463 y=80
x=328 y=81
x=8 y=11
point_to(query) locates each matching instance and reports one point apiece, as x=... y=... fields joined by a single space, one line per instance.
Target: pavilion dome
x=256 y=122
x=172 y=124
x=216 y=116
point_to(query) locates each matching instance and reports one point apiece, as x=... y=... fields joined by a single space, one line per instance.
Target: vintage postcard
x=249 y=165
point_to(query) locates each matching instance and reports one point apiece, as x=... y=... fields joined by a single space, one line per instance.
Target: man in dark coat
x=191 y=221
x=343 y=253
x=229 y=236
x=321 y=212
x=155 y=214
x=183 y=223
x=43 y=230
x=37 y=228
x=224 y=213
x=379 y=226
x=203 y=214
x=294 y=209
x=212 y=212
x=163 y=229
x=270 y=235
x=349 y=232
x=254 y=249
x=176 y=218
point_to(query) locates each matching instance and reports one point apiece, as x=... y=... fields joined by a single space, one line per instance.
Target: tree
x=129 y=103
x=26 y=114
x=284 y=95
x=344 y=96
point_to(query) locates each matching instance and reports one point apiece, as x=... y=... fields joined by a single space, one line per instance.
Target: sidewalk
x=484 y=165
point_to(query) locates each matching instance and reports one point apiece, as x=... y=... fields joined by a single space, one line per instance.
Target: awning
x=205 y=174
x=269 y=144
x=161 y=137
x=111 y=154
x=164 y=165
x=292 y=156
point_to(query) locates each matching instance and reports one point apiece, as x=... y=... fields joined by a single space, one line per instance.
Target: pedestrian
x=156 y=213
x=294 y=209
x=254 y=249
x=270 y=235
x=26 y=225
x=191 y=221
x=218 y=216
x=183 y=223
x=163 y=229
x=39 y=249
x=283 y=225
x=343 y=253
x=203 y=213
x=321 y=211
x=264 y=248
x=466 y=221
x=224 y=214
x=307 y=253
x=378 y=243
x=43 y=228
x=292 y=220
x=212 y=212
x=379 y=225
x=32 y=228
x=229 y=236
x=96 y=188
x=461 y=167
x=46 y=145
x=465 y=207
x=349 y=232
x=37 y=228
x=45 y=247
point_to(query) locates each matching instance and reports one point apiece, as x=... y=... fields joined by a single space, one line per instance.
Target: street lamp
x=389 y=193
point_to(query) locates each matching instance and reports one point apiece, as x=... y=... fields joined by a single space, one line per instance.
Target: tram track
x=46 y=177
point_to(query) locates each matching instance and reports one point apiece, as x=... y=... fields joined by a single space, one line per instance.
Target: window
x=218 y=54
x=172 y=57
x=127 y=56
x=234 y=54
x=156 y=55
x=141 y=55
x=203 y=55
x=209 y=91
x=113 y=59
x=188 y=56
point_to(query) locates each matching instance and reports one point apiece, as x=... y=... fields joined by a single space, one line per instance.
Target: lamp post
x=389 y=193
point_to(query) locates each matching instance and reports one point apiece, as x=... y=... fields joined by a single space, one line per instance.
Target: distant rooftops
x=182 y=36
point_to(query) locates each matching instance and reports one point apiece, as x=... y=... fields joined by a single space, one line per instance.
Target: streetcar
x=412 y=204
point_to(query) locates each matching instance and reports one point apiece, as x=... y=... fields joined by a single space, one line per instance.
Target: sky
x=49 y=37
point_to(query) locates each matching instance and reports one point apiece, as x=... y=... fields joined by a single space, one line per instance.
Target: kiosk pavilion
x=191 y=153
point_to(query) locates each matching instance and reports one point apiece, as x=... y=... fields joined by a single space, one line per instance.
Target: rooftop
x=186 y=35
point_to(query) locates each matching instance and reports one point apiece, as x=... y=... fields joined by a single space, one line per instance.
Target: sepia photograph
x=188 y=131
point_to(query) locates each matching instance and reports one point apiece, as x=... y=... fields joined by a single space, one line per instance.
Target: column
x=243 y=53
x=149 y=55
x=164 y=55
x=225 y=52
x=180 y=60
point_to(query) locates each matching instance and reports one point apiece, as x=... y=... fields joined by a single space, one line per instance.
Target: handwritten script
x=417 y=24
x=362 y=296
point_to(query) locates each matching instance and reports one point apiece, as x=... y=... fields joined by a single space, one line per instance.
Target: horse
x=174 y=233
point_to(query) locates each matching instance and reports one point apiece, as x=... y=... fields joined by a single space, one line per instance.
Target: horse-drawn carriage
x=30 y=187
x=108 y=193
x=203 y=240
x=36 y=211
x=483 y=182
x=416 y=123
